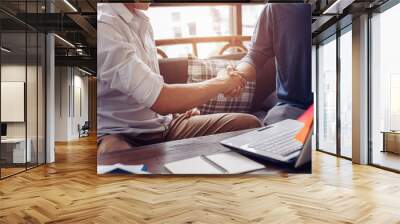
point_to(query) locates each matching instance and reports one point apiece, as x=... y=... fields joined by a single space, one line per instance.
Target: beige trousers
x=182 y=127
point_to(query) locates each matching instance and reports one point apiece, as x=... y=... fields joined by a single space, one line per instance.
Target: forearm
x=178 y=98
x=247 y=71
x=261 y=47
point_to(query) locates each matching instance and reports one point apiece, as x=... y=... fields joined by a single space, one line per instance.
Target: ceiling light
x=79 y=51
x=70 y=5
x=5 y=50
x=65 y=41
x=338 y=6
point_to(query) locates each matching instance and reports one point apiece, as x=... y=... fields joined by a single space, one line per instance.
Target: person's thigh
x=282 y=112
x=202 y=125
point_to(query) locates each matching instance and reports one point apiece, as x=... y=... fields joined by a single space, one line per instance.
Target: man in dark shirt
x=283 y=31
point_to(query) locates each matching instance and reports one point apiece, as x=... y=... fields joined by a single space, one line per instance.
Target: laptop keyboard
x=282 y=142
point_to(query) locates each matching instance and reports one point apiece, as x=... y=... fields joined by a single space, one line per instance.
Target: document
x=234 y=163
x=221 y=163
x=195 y=165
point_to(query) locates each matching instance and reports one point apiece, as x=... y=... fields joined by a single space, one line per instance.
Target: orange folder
x=307 y=117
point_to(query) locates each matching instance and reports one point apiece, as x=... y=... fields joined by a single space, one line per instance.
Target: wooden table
x=391 y=141
x=156 y=155
x=15 y=152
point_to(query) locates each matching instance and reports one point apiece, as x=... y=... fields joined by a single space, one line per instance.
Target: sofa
x=175 y=70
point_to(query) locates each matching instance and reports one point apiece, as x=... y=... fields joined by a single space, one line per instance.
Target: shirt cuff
x=157 y=85
x=248 y=60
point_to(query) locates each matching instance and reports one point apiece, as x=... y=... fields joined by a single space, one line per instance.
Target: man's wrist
x=247 y=70
x=216 y=83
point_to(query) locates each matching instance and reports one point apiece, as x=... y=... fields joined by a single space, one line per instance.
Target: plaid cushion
x=200 y=70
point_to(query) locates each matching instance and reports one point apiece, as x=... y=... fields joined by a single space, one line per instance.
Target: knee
x=245 y=121
x=111 y=143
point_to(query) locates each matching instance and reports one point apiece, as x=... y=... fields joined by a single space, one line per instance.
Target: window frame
x=336 y=36
x=236 y=38
x=323 y=37
x=25 y=30
x=380 y=9
x=236 y=12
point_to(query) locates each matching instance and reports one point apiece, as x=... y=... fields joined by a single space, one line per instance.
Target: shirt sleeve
x=121 y=68
x=261 y=45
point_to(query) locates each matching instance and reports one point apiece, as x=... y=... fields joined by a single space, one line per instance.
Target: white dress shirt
x=129 y=79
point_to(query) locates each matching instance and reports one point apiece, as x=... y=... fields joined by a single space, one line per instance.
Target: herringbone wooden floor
x=69 y=191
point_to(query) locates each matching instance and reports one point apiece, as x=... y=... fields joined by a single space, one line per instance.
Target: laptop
x=288 y=141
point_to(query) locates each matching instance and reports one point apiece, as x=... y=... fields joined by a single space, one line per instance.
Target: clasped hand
x=235 y=83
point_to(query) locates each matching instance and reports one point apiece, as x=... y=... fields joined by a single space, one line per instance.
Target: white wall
x=70 y=83
x=80 y=105
x=61 y=103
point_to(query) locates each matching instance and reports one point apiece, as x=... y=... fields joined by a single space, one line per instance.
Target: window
x=208 y=20
x=385 y=86
x=250 y=14
x=327 y=96
x=176 y=16
x=346 y=93
x=22 y=68
x=13 y=73
x=177 y=32
x=176 y=22
x=201 y=21
x=192 y=29
x=334 y=95
x=394 y=102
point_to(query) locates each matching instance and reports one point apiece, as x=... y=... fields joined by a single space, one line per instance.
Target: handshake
x=232 y=80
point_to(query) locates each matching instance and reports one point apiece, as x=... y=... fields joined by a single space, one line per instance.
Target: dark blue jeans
x=282 y=112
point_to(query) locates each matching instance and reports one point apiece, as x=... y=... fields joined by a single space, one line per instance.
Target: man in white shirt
x=134 y=103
